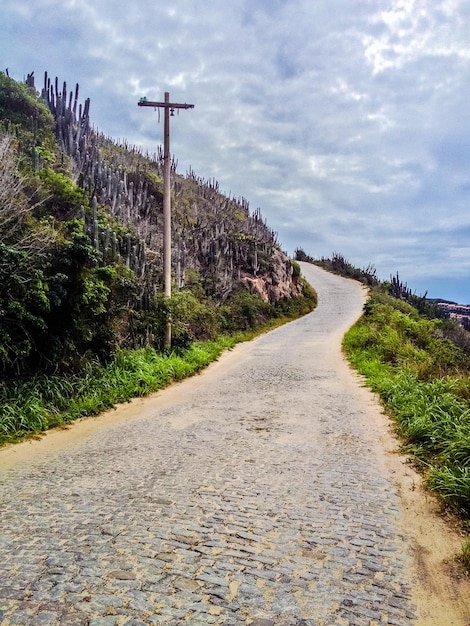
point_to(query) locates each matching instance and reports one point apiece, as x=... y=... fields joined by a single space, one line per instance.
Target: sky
x=347 y=122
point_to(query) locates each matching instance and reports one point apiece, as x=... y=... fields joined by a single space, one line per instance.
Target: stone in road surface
x=254 y=493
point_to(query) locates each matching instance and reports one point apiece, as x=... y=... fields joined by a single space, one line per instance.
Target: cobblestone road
x=256 y=498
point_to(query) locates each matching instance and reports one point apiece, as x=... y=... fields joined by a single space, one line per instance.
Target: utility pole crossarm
x=143 y=102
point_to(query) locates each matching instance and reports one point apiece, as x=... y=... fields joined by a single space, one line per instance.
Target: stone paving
x=258 y=499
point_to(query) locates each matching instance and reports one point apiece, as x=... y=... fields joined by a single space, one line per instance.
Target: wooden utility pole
x=169 y=110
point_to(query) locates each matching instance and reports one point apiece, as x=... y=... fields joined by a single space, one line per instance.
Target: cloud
x=346 y=123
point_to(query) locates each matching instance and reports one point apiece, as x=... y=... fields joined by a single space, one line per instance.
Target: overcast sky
x=346 y=121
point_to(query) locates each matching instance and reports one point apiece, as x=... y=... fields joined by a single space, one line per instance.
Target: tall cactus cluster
x=219 y=235
x=213 y=234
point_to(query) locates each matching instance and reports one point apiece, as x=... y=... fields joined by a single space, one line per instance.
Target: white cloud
x=345 y=122
x=416 y=28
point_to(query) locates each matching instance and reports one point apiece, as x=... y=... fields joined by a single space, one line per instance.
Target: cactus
x=107 y=235
x=215 y=233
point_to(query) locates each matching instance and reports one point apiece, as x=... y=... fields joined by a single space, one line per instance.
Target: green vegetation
x=45 y=401
x=465 y=555
x=423 y=380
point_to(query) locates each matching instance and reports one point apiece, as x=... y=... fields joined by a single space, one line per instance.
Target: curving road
x=254 y=493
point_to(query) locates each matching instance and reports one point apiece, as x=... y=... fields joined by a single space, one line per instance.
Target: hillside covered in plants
x=81 y=244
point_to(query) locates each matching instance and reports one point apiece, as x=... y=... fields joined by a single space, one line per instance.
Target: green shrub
x=245 y=310
x=23 y=112
x=192 y=319
x=465 y=555
x=452 y=483
x=24 y=306
x=62 y=198
x=296 y=271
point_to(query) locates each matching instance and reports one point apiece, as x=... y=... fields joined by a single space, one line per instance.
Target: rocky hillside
x=81 y=226
x=215 y=235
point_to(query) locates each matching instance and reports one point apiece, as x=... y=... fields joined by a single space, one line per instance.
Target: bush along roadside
x=423 y=381
x=44 y=402
x=33 y=405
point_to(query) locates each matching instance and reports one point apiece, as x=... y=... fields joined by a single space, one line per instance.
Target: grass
x=464 y=557
x=424 y=384
x=45 y=402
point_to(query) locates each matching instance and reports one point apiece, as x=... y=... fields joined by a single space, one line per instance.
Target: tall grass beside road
x=424 y=383
x=48 y=401
x=32 y=406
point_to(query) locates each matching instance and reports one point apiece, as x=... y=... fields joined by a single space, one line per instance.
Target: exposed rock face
x=278 y=283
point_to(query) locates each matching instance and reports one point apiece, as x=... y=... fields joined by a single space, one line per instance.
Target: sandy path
x=266 y=490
